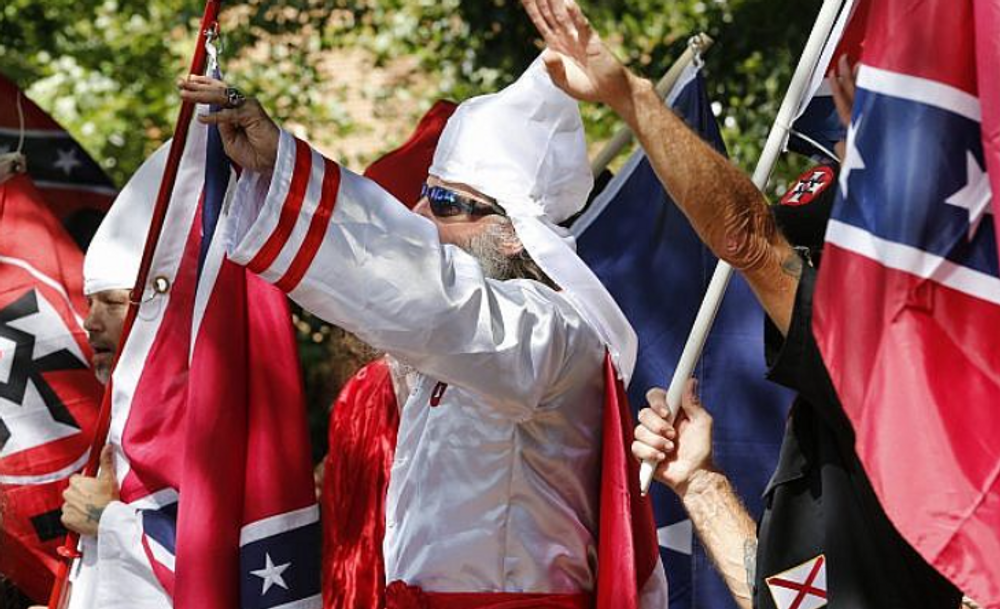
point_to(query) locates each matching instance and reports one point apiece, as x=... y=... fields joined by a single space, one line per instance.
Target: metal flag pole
x=69 y=550
x=765 y=165
x=697 y=46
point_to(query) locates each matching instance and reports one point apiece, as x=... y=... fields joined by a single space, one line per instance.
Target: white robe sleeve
x=349 y=252
x=114 y=572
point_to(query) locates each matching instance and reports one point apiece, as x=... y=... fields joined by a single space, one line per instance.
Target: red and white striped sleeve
x=349 y=252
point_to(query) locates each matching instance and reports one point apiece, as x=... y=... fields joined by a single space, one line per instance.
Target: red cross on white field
x=801 y=587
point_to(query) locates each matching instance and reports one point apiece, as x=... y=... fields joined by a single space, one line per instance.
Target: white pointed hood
x=525 y=147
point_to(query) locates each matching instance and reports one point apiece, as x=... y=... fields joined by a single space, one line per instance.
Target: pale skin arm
x=726 y=210
x=683 y=453
x=85 y=498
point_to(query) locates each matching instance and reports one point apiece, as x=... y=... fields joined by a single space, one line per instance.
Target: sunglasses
x=446 y=203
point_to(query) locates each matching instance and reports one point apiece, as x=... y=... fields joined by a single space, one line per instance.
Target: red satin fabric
x=627 y=550
x=362 y=436
x=399 y=595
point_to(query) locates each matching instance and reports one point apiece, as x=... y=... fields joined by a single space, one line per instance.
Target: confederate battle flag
x=908 y=301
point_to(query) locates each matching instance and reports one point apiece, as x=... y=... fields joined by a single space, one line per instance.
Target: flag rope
x=765 y=165
x=69 y=552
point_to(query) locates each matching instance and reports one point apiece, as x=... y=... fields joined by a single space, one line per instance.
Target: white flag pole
x=765 y=165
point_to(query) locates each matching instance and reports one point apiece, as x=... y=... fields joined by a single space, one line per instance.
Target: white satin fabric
x=525 y=146
x=114 y=572
x=496 y=487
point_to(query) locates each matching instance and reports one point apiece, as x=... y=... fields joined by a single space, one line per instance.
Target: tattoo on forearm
x=93 y=513
x=750 y=562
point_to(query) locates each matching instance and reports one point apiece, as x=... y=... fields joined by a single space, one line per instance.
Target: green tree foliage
x=479 y=46
x=106 y=70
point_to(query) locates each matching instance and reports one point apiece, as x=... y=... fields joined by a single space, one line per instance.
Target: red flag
x=48 y=394
x=987 y=24
x=907 y=305
x=630 y=574
x=68 y=178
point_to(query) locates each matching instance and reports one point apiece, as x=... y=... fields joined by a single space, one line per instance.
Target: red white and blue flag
x=209 y=411
x=912 y=345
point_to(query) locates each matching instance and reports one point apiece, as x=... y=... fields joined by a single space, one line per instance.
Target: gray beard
x=486 y=248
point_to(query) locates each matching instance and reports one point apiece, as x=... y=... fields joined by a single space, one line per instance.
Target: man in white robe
x=114 y=571
x=494 y=488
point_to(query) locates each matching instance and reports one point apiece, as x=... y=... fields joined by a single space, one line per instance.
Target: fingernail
x=660 y=456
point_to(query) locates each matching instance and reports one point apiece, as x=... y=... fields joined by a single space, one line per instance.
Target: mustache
x=99 y=344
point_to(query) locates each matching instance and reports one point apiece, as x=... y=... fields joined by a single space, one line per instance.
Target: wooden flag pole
x=69 y=551
x=765 y=165
x=697 y=46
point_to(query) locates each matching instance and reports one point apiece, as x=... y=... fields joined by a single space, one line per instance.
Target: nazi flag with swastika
x=48 y=395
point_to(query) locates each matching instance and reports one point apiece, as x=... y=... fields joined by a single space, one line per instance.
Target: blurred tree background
x=106 y=70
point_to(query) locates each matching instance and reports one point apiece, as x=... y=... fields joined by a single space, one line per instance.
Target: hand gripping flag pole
x=69 y=551
x=765 y=165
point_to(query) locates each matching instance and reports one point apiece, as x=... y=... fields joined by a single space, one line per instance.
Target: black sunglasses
x=446 y=203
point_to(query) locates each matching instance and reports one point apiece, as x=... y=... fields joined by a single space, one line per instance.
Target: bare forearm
x=727 y=211
x=725 y=529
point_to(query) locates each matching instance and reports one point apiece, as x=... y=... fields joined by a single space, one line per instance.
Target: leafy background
x=106 y=71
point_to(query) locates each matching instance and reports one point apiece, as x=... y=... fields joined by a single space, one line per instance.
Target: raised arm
x=346 y=250
x=726 y=210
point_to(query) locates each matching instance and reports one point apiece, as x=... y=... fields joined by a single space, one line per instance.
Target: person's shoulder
x=558 y=302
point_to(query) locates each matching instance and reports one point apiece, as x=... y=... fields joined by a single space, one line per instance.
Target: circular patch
x=809 y=186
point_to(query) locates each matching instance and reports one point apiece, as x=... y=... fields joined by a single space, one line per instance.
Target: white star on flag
x=271 y=574
x=67 y=160
x=852 y=158
x=678 y=537
x=975 y=195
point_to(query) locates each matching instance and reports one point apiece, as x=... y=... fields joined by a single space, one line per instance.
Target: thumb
x=107 y=471
x=690 y=402
x=556 y=68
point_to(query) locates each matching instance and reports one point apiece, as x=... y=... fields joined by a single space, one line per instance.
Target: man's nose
x=93 y=322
